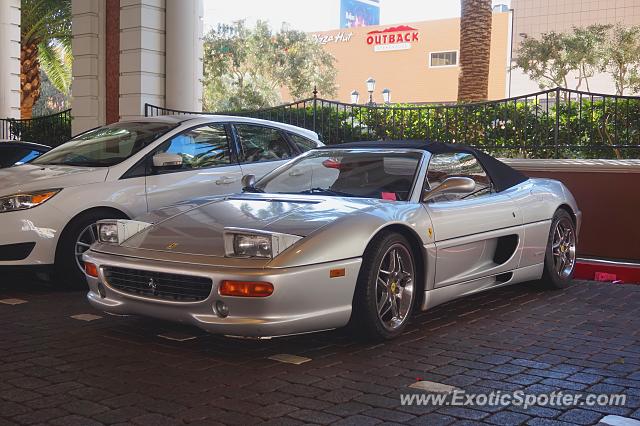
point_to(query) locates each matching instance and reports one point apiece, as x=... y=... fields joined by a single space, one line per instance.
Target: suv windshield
x=106 y=146
x=382 y=174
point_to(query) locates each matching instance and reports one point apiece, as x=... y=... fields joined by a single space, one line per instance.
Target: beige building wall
x=534 y=17
x=407 y=73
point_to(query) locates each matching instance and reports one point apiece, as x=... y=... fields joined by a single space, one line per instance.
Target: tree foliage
x=56 y=61
x=247 y=67
x=623 y=58
x=585 y=51
x=545 y=60
x=45 y=32
x=554 y=58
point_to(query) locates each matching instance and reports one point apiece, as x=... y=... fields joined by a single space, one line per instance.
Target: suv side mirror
x=451 y=185
x=248 y=181
x=164 y=160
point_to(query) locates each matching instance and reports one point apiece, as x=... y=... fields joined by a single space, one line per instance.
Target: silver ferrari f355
x=362 y=233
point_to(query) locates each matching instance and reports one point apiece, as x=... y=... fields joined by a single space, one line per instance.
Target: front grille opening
x=158 y=285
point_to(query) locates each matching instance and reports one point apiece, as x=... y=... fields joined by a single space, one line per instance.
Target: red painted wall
x=610 y=204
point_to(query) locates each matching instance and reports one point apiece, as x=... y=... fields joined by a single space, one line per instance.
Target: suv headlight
x=117 y=231
x=26 y=200
x=249 y=243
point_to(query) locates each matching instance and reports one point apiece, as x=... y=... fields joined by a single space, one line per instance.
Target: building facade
x=10 y=59
x=417 y=62
x=535 y=17
x=532 y=18
x=131 y=52
x=126 y=53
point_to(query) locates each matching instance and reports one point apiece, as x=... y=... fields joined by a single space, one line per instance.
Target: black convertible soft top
x=502 y=175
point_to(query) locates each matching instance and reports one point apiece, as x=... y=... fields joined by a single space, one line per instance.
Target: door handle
x=225 y=180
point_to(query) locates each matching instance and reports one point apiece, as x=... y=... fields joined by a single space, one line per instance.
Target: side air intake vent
x=503 y=278
x=507 y=245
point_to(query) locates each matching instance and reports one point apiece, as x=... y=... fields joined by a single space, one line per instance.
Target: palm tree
x=475 y=50
x=45 y=42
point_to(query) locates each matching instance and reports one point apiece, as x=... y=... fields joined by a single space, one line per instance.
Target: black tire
x=558 y=275
x=67 y=272
x=365 y=318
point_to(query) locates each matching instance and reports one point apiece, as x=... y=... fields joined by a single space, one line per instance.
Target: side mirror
x=452 y=185
x=248 y=181
x=164 y=160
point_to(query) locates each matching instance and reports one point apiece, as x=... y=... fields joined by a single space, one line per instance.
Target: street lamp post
x=386 y=96
x=371 y=86
x=354 y=97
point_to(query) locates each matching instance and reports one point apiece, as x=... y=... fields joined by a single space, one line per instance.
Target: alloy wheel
x=564 y=248
x=394 y=286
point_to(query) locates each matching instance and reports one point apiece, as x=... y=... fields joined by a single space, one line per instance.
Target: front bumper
x=39 y=228
x=305 y=299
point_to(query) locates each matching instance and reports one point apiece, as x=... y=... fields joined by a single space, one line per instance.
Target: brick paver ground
x=55 y=369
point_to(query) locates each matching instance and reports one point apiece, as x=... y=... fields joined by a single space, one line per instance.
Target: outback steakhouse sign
x=392 y=38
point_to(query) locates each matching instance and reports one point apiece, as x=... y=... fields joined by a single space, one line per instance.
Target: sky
x=322 y=15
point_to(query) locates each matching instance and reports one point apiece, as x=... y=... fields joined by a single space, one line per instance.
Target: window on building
x=443 y=59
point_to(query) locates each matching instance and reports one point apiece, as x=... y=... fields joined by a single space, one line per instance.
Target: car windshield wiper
x=326 y=191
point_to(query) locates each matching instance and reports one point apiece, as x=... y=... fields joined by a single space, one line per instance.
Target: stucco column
x=9 y=59
x=184 y=22
x=88 y=45
x=142 y=55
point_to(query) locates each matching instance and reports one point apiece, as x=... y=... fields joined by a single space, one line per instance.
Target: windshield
x=382 y=174
x=106 y=146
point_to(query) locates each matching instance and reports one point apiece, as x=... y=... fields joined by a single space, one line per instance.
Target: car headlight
x=116 y=231
x=249 y=243
x=26 y=200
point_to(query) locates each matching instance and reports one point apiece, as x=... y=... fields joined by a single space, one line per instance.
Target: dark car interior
x=372 y=178
x=16 y=153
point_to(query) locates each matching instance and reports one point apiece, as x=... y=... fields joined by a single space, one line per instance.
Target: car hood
x=199 y=230
x=30 y=177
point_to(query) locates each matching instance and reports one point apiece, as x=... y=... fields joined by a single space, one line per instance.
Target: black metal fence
x=51 y=130
x=556 y=123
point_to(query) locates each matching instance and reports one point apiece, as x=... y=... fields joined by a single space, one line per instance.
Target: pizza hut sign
x=392 y=38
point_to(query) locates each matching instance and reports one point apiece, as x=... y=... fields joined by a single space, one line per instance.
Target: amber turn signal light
x=91 y=269
x=245 y=288
x=336 y=273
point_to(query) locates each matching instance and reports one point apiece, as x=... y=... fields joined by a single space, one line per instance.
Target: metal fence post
x=315 y=106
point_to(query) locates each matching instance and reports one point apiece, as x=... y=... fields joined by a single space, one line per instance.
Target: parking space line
x=12 y=302
x=433 y=387
x=86 y=317
x=289 y=359
x=619 y=421
x=177 y=336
